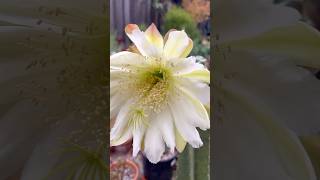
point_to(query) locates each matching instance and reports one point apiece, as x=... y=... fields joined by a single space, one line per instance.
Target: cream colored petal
x=126 y=58
x=177 y=45
x=124 y=137
x=189 y=68
x=117 y=99
x=186 y=129
x=180 y=142
x=197 y=89
x=153 y=145
x=167 y=35
x=114 y=86
x=164 y=121
x=154 y=37
x=201 y=75
x=139 y=39
x=116 y=102
x=121 y=122
x=121 y=75
x=186 y=65
x=138 y=135
x=193 y=109
x=188 y=49
x=118 y=72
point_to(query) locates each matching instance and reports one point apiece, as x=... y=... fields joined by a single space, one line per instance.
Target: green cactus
x=194 y=163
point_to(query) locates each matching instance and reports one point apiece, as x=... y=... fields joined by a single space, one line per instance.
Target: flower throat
x=153 y=87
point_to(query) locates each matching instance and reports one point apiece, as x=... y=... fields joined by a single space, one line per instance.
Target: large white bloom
x=265 y=97
x=158 y=94
x=31 y=134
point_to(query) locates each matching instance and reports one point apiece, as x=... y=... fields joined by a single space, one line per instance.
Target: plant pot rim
x=131 y=164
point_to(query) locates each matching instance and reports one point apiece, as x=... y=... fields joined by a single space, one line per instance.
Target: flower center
x=153 y=87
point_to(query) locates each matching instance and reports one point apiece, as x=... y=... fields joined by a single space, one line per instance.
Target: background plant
x=199 y=9
x=178 y=18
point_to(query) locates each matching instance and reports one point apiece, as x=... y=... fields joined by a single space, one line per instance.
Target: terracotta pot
x=123 y=168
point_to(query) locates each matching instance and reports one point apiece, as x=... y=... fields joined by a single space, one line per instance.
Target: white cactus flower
x=158 y=94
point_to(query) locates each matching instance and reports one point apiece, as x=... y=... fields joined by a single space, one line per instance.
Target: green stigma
x=159 y=74
x=154 y=75
x=153 y=86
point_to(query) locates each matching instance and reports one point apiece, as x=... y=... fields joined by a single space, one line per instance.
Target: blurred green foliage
x=113 y=43
x=143 y=27
x=193 y=163
x=177 y=18
x=200 y=49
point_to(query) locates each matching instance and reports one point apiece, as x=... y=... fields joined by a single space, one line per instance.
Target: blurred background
x=53 y=84
x=193 y=16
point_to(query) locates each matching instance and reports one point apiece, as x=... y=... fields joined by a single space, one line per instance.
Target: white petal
x=180 y=142
x=186 y=65
x=192 y=108
x=191 y=70
x=186 y=128
x=138 y=135
x=197 y=89
x=176 y=45
x=114 y=86
x=116 y=102
x=200 y=75
x=141 y=42
x=154 y=37
x=121 y=121
x=125 y=136
x=120 y=74
x=120 y=132
x=125 y=59
x=153 y=143
x=164 y=121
